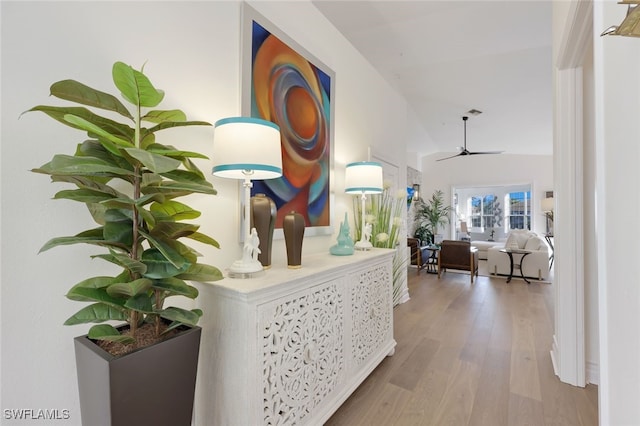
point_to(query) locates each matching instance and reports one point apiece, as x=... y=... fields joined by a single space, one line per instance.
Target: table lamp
x=364 y=177
x=246 y=148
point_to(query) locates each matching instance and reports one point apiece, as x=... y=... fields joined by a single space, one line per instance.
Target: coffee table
x=511 y=252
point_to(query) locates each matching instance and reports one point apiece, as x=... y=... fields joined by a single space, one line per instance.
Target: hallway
x=470 y=355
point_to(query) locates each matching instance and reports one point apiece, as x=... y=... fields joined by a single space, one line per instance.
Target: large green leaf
x=74 y=91
x=204 y=239
x=181 y=315
x=174 y=153
x=96 y=130
x=81 y=166
x=118 y=226
x=94 y=237
x=201 y=272
x=158 y=116
x=176 y=287
x=82 y=195
x=135 y=86
x=113 y=127
x=186 y=176
x=97 y=312
x=104 y=150
x=130 y=289
x=97 y=212
x=140 y=303
x=154 y=162
x=124 y=261
x=87 y=294
x=191 y=166
x=87 y=182
x=110 y=333
x=173 y=230
x=163 y=261
x=171 y=124
x=176 y=210
x=180 y=188
x=97 y=282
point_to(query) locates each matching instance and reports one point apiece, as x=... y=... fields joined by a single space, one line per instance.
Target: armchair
x=419 y=254
x=458 y=255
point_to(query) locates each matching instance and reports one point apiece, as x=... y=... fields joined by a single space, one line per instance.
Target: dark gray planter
x=152 y=386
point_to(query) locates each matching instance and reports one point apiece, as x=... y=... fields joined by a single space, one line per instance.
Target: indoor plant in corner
x=129 y=183
x=431 y=215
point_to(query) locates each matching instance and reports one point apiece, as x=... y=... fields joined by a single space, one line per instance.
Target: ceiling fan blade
x=453 y=156
x=484 y=152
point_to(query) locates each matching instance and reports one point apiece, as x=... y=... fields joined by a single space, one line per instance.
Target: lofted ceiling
x=448 y=57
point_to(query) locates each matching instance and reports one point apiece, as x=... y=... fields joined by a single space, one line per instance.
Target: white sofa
x=484 y=246
x=535 y=265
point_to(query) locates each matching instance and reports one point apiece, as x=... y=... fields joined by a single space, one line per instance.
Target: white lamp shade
x=364 y=177
x=246 y=147
x=547 y=204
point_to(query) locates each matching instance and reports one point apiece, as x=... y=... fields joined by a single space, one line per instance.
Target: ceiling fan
x=464 y=150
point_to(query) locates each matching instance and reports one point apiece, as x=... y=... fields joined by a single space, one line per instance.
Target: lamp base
x=245 y=269
x=363 y=245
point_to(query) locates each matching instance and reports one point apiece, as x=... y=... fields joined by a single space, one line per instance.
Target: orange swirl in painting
x=288 y=91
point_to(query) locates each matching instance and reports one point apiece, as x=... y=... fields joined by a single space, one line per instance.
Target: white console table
x=289 y=347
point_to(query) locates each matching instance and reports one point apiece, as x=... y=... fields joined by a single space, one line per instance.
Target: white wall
x=617 y=131
x=192 y=51
x=490 y=170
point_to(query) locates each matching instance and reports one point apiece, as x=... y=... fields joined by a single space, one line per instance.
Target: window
x=485 y=211
x=519 y=214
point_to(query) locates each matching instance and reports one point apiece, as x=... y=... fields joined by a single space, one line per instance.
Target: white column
x=568 y=351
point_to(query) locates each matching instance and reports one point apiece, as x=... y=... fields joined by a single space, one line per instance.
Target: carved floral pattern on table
x=302 y=350
x=371 y=314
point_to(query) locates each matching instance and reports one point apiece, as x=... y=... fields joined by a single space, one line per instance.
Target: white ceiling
x=447 y=57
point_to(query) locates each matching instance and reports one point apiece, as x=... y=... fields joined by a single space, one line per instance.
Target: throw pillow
x=512 y=242
x=533 y=244
x=521 y=237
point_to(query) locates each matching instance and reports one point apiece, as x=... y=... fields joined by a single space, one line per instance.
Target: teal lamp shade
x=246 y=147
x=363 y=177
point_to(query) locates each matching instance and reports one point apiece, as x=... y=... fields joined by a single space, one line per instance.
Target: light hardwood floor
x=470 y=354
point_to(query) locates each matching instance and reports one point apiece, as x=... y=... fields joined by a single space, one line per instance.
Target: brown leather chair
x=458 y=255
x=419 y=256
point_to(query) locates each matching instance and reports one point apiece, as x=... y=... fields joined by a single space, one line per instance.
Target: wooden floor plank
x=470 y=354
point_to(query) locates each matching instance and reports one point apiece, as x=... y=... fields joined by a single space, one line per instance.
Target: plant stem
x=137 y=178
x=158 y=295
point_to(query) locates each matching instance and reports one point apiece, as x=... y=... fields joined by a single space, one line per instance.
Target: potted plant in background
x=129 y=183
x=431 y=215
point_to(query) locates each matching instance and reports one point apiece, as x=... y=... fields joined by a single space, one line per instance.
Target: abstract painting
x=288 y=88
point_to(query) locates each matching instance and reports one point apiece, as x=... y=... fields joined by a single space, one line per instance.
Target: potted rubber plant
x=143 y=371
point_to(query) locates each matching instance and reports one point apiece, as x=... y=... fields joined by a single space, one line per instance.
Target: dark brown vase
x=263 y=218
x=293 y=227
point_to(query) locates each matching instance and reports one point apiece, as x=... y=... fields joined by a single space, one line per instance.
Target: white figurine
x=255 y=244
x=367 y=232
